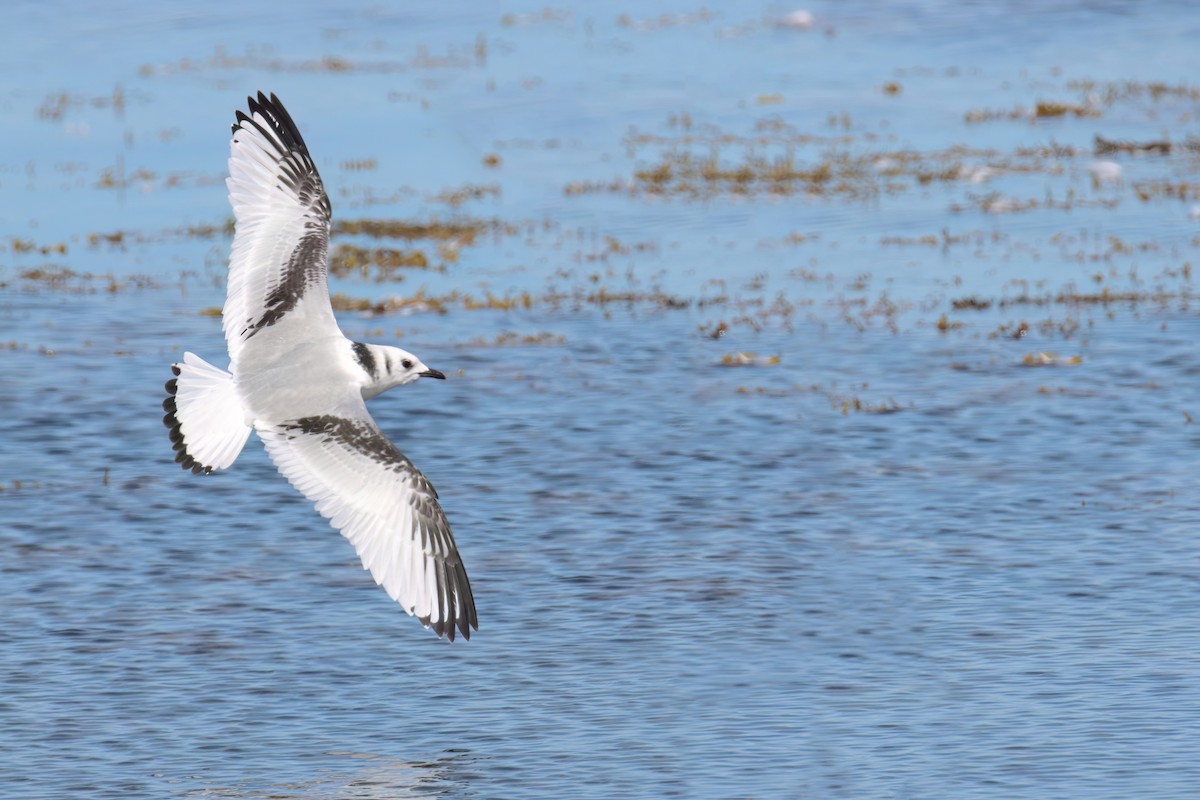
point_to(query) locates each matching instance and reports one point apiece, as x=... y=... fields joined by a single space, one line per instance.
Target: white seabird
x=300 y=384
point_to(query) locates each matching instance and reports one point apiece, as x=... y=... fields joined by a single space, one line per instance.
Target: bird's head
x=403 y=367
x=385 y=366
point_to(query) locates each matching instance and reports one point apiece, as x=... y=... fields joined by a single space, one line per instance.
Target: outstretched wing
x=388 y=510
x=277 y=293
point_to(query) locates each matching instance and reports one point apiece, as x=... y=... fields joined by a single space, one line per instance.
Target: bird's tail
x=205 y=415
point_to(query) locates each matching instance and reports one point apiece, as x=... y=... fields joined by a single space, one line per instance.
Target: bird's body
x=301 y=385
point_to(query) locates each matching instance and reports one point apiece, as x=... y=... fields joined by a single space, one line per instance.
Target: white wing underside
x=370 y=492
x=277 y=295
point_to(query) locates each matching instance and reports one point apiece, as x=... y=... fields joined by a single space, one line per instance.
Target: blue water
x=905 y=552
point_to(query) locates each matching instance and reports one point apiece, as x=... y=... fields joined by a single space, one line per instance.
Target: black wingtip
x=467 y=618
x=461 y=616
x=273 y=110
x=463 y=624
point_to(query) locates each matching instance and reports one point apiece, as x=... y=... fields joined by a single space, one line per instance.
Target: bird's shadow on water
x=341 y=775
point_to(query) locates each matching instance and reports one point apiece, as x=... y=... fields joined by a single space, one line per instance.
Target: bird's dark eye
x=406 y=364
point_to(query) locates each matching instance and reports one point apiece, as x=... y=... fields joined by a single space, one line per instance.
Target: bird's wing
x=277 y=294
x=388 y=510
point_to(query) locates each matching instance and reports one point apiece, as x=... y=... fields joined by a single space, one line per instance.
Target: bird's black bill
x=432 y=373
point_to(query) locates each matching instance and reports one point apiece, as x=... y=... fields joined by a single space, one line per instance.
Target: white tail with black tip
x=207 y=421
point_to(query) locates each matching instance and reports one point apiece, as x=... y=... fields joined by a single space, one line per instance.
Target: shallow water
x=878 y=483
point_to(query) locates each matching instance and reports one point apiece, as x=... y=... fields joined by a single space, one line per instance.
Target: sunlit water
x=887 y=558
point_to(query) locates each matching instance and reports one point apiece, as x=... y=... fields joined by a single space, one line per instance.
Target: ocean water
x=821 y=417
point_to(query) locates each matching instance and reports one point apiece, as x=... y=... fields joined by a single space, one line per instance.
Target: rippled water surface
x=820 y=422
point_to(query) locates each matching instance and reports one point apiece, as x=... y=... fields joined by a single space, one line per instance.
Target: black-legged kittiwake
x=294 y=379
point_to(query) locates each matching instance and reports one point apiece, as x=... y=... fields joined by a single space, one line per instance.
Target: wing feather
x=373 y=494
x=277 y=293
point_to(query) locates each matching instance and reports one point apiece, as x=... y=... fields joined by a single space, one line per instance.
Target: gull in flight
x=302 y=386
